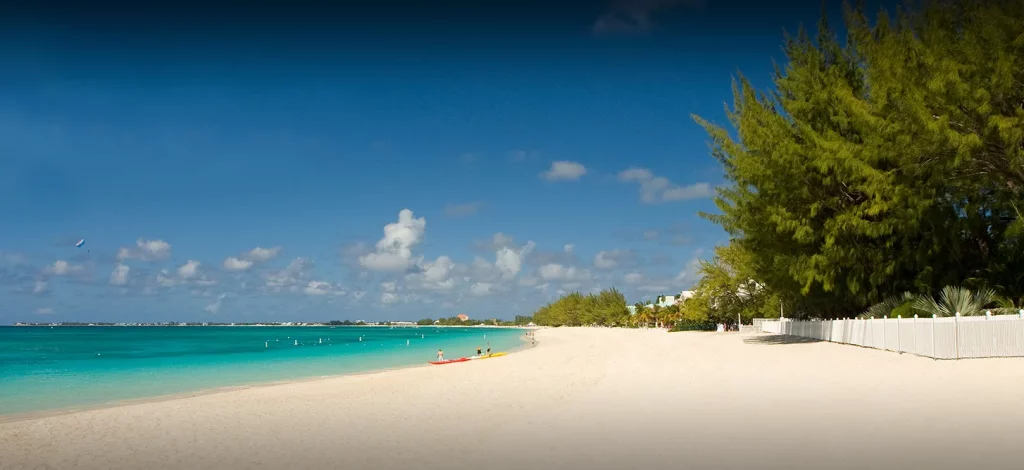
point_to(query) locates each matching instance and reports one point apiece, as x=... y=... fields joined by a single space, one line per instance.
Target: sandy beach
x=583 y=398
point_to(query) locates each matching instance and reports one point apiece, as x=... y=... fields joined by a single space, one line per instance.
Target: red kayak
x=449 y=361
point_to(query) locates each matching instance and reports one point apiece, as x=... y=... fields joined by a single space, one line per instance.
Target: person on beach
x=478 y=351
x=488 y=350
x=440 y=355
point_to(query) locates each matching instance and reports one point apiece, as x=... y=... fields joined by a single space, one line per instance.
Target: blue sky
x=395 y=171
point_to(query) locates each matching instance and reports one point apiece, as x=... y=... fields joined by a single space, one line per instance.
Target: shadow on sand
x=779 y=339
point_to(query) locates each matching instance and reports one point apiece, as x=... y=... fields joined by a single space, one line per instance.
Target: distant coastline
x=317 y=325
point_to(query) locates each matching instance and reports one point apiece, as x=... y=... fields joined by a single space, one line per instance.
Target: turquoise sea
x=51 y=368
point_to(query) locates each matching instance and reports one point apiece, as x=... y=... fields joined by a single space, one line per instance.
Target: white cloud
x=119 y=276
x=558 y=272
x=189 y=270
x=435 y=275
x=613 y=259
x=510 y=261
x=322 y=288
x=291 y=276
x=633 y=278
x=236 y=264
x=165 y=279
x=250 y=258
x=394 y=251
x=260 y=254
x=215 y=306
x=563 y=171
x=481 y=288
x=146 y=250
x=44 y=311
x=41 y=287
x=63 y=268
x=656 y=189
x=388 y=298
x=603 y=261
x=569 y=248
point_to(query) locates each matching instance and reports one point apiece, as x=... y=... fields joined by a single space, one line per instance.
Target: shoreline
x=35 y=415
x=595 y=398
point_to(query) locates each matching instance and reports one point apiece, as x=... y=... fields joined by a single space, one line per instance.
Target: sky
x=393 y=161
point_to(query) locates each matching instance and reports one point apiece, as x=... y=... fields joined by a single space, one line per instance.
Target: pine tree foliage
x=607 y=307
x=891 y=162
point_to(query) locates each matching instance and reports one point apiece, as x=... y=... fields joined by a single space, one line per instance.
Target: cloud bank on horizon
x=390 y=273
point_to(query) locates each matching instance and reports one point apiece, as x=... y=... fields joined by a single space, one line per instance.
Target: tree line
x=882 y=172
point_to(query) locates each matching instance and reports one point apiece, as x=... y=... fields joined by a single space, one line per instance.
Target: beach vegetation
x=886 y=164
x=605 y=308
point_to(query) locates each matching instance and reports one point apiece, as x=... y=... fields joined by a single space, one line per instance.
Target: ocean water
x=44 y=368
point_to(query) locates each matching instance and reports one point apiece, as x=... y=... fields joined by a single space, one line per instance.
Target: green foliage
x=888 y=307
x=607 y=307
x=689 y=325
x=727 y=288
x=955 y=300
x=904 y=310
x=891 y=163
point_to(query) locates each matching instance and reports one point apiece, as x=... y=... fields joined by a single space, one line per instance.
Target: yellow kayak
x=497 y=354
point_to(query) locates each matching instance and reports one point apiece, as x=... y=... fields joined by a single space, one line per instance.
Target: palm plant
x=953 y=300
x=885 y=307
x=643 y=316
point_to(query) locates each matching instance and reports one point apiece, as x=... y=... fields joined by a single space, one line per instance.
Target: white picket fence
x=939 y=338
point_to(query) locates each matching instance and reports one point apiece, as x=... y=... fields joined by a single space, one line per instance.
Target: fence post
x=934 y=355
x=899 y=340
x=915 y=334
x=956 y=334
x=885 y=341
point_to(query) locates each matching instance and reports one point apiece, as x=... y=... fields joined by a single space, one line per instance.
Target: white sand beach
x=583 y=398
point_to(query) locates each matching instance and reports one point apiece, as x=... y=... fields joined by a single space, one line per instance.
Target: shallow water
x=44 y=368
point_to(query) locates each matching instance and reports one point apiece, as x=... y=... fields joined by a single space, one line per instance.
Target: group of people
x=479 y=352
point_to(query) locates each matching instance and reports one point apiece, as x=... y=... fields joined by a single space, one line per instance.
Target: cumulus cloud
x=250 y=258
x=63 y=268
x=564 y=171
x=145 y=250
x=189 y=270
x=481 y=288
x=291 y=276
x=41 y=287
x=657 y=189
x=568 y=248
x=119 y=277
x=394 y=251
x=509 y=261
x=322 y=288
x=215 y=306
x=613 y=259
x=237 y=264
x=633 y=278
x=434 y=275
x=562 y=273
x=462 y=210
x=44 y=311
x=260 y=254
